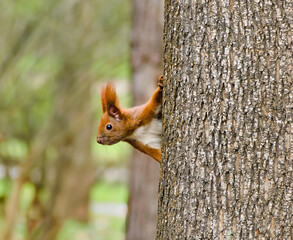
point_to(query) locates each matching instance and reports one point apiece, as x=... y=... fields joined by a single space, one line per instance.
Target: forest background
x=54 y=57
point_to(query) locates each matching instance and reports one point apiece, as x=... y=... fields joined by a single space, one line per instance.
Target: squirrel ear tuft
x=114 y=112
x=108 y=96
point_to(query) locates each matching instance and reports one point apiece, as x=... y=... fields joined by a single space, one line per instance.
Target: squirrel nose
x=102 y=140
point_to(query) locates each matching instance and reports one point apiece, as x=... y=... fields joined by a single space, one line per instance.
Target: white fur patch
x=149 y=134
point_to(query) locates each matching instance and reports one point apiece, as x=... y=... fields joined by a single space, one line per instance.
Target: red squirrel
x=140 y=126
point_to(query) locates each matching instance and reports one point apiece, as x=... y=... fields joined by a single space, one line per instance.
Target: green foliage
x=101 y=228
x=27 y=193
x=14 y=148
x=5 y=187
x=112 y=155
x=109 y=192
x=28 y=7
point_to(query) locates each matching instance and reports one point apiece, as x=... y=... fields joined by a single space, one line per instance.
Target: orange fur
x=108 y=96
x=125 y=122
x=154 y=153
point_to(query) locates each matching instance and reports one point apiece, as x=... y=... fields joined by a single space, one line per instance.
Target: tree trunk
x=147 y=67
x=227 y=154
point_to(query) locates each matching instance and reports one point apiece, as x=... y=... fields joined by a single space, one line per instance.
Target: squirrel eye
x=109 y=127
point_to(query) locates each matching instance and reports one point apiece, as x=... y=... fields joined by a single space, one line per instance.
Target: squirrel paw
x=161 y=82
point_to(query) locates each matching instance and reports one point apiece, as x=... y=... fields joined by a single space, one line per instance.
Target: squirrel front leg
x=151 y=107
x=154 y=153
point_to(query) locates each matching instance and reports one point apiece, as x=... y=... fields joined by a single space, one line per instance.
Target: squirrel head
x=112 y=125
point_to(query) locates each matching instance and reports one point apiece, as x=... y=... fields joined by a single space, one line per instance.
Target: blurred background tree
x=55 y=181
x=146 y=47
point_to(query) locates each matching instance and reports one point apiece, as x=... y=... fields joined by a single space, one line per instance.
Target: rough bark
x=146 y=41
x=227 y=150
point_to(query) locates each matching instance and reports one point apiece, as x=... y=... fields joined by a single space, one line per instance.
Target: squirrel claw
x=161 y=81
